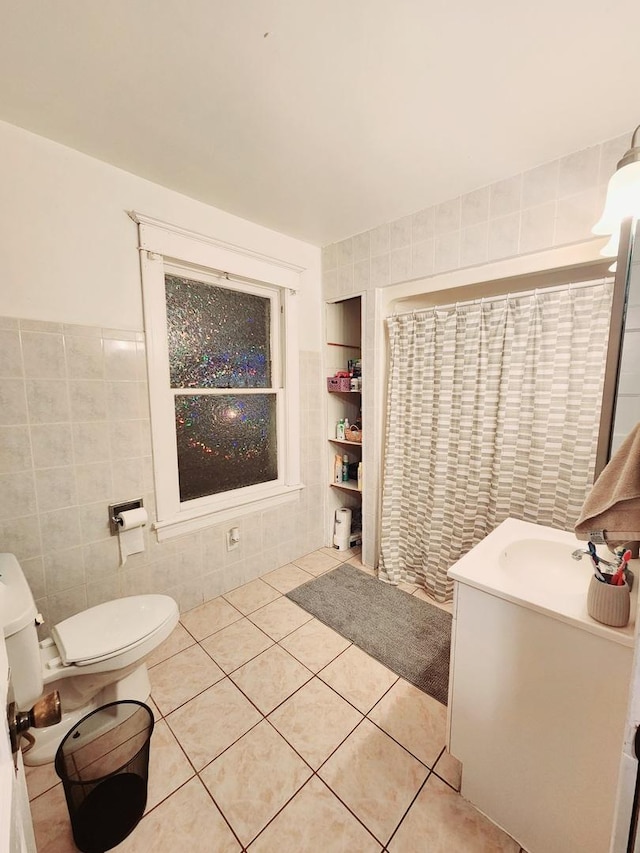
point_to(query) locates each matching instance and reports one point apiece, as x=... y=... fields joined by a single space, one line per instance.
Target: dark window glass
x=218 y=338
x=225 y=442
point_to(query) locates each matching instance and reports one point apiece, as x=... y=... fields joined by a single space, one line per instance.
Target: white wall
x=74 y=411
x=68 y=247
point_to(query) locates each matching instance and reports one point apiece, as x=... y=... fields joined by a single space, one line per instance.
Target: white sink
x=546 y=564
x=531 y=565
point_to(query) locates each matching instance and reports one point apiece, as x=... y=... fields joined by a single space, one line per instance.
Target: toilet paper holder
x=116 y=509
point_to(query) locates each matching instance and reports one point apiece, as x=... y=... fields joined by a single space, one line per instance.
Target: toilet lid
x=110 y=628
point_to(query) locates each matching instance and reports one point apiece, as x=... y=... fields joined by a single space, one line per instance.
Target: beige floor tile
x=424 y=596
x=342 y=556
x=251 y=596
x=280 y=618
x=168 y=765
x=51 y=824
x=270 y=678
x=449 y=769
x=315 y=820
x=156 y=830
x=286 y=578
x=440 y=821
x=40 y=779
x=178 y=640
x=359 y=678
x=317 y=563
x=315 y=720
x=154 y=708
x=253 y=779
x=315 y=645
x=414 y=719
x=330 y=552
x=188 y=820
x=212 y=721
x=209 y=617
x=181 y=677
x=236 y=644
x=375 y=778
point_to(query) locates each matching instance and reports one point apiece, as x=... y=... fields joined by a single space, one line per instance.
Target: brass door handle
x=46 y=712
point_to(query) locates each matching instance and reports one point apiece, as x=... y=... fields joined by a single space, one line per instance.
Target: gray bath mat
x=409 y=636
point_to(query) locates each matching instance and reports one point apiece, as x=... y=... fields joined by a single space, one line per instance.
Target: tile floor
x=274 y=734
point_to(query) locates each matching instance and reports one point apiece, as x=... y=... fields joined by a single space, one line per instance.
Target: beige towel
x=613 y=504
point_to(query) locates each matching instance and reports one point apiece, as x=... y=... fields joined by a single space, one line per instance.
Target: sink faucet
x=578 y=553
x=622 y=557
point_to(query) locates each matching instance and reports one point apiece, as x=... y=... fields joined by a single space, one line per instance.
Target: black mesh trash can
x=103 y=762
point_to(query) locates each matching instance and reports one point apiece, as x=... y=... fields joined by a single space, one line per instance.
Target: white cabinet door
x=537 y=714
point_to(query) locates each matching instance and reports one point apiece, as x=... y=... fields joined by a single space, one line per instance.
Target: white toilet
x=92 y=658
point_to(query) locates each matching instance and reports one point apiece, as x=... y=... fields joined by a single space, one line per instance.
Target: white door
x=16 y=829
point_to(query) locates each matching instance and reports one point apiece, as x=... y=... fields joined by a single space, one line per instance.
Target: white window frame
x=168 y=249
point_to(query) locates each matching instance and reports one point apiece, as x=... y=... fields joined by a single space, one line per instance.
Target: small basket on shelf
x=354 y=434
x=338 y=383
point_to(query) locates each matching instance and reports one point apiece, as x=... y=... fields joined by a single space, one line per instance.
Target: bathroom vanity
x=538 y=690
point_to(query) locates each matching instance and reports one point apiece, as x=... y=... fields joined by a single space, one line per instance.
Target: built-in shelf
x=343 y=344
x=348 y=486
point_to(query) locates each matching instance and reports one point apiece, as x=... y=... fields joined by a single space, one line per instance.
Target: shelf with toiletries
x=347 y=436
x=344 y=385
x=349 y=485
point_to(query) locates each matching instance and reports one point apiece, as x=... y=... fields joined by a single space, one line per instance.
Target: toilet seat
x=112 y=629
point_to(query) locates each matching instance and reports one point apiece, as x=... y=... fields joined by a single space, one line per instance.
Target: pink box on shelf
x=338 y=383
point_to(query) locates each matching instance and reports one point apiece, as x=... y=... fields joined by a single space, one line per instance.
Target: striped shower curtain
x=492 y=411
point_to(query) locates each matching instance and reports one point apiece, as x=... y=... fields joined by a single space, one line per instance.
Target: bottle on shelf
x=359 y=476
x=340 y=430
x=345 y=468
x=337 y=468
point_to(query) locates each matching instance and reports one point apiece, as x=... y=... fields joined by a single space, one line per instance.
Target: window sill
x=195 y=519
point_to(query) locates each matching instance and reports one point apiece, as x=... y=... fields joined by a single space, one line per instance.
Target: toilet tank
x=18 y=621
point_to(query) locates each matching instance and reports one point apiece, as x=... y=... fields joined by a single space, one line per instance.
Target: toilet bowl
x=92 y=658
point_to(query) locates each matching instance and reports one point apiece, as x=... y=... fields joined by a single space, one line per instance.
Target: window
x=222 y=339
x=223 y=359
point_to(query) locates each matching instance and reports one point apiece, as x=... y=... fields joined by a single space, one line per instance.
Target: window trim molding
x=162 y=243
x=191 y=520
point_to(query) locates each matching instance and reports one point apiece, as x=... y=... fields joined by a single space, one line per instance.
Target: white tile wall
x=551 y=205
x=75 y=436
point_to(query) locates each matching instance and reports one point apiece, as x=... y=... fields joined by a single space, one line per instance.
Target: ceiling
x=321 y=118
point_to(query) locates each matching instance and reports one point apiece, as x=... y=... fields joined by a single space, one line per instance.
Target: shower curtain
x=493 y=410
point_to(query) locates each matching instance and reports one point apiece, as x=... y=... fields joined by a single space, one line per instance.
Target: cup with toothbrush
x=608 y=599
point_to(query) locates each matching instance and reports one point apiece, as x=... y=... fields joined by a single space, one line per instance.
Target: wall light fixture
x=623 y=197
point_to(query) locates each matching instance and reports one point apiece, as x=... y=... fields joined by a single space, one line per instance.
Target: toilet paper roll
x=130 y=535
x=342 y=529
x=343 y=522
